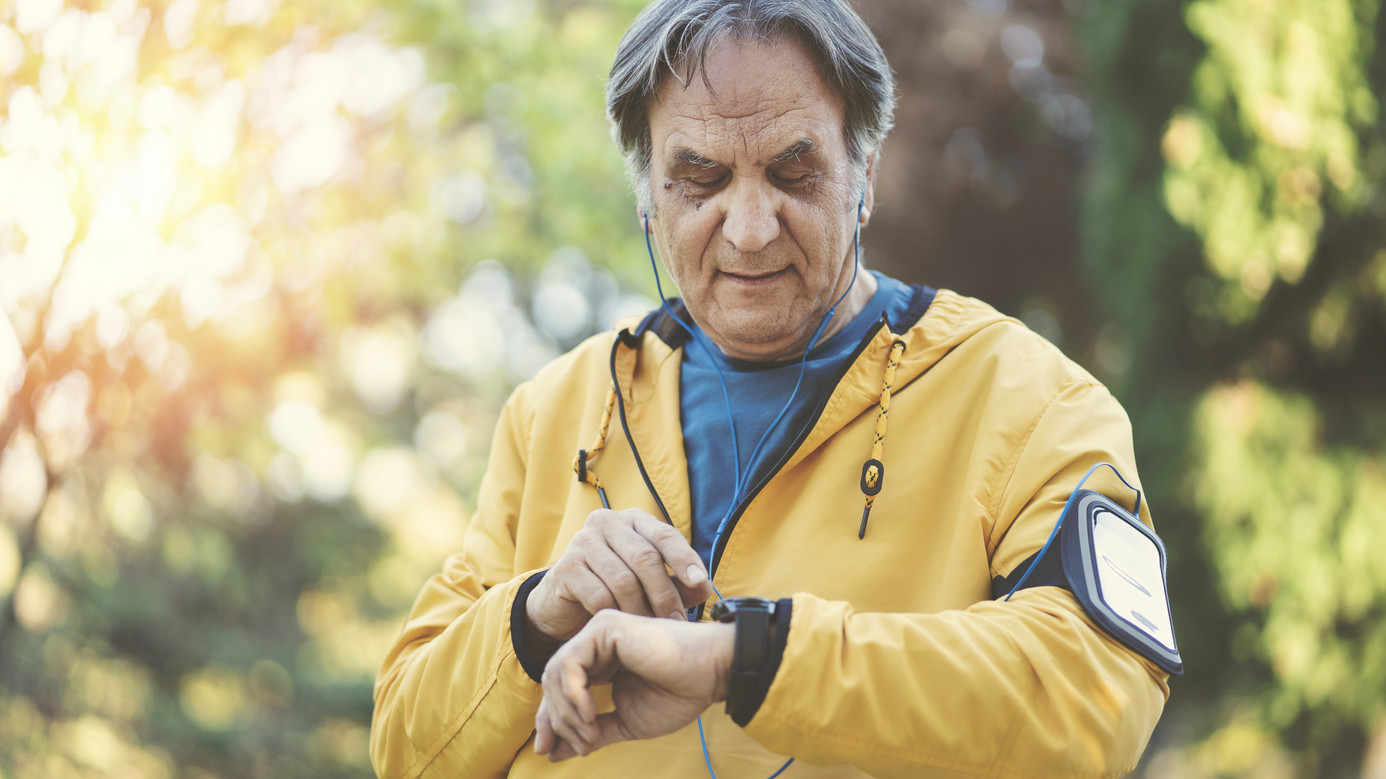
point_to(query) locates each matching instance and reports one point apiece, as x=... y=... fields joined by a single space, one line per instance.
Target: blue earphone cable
x=1067 y=505
x=708 y=759
x=739 y=481
x=726 y=394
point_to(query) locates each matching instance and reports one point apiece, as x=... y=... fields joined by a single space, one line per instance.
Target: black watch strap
x=752 y=639
x=762 y=630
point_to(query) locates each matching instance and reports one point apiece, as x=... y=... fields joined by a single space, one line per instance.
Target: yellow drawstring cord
x=582 y=466
x=873 y=470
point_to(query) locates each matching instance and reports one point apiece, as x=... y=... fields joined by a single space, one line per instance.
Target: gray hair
x=673 y=32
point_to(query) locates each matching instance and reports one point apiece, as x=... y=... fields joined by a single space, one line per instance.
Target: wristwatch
x=755 y=623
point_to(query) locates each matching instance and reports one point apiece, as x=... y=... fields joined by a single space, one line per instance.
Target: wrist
x=724 y=643
x=539 y=641
x=533 y=647
x=536 y=625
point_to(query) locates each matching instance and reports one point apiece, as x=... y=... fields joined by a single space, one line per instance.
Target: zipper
x=788 y=452
x=696 y=612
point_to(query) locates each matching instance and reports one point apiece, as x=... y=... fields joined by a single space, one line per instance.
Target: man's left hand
x=663 y=674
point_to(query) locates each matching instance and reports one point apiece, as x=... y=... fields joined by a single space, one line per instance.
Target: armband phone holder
x=1115 y=566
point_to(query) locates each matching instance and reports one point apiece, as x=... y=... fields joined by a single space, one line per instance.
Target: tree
x=268 y=269
x=252 y=348
x=1235 y=217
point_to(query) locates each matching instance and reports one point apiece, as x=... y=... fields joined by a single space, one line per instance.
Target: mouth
x=761 y=277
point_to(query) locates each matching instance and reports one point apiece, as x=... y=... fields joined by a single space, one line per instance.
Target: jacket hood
x=936 y=322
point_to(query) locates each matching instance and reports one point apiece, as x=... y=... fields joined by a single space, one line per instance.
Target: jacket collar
x=667 y=330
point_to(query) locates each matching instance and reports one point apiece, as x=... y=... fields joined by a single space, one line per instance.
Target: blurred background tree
x=267 y=272
x=1236 y=226
x=268 y=269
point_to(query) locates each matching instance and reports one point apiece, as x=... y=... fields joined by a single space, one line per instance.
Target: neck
x=858 y=295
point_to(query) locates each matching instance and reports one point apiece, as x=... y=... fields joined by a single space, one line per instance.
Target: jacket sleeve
x=1025 y=687
x=451 y=698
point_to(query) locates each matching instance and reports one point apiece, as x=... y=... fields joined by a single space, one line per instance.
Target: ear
x=869 y=189
x=641 y=219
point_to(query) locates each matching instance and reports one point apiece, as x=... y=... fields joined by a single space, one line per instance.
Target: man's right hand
x=617 y=561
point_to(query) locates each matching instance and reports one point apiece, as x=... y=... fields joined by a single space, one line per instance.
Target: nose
x=752 y=221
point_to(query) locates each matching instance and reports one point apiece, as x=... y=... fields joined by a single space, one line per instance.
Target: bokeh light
x=250 y=352
x=268 y=268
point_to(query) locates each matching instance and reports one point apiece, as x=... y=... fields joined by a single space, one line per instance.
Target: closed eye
x=707 y=183
x=794 y=180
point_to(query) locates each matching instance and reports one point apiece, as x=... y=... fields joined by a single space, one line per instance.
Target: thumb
x=610 y=730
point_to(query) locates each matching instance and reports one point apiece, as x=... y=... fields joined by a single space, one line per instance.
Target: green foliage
x=1303 y=518
x=1268 y=141
x=1237 y=198
x=266 y=272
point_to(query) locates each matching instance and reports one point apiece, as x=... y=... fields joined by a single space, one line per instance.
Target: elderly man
x=856 y=625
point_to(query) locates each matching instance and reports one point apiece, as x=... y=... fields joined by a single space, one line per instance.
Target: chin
x=754 y=332
x=763 y=342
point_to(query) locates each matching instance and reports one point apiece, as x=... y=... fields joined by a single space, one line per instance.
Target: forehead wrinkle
x=746 y=136
x=733 y=110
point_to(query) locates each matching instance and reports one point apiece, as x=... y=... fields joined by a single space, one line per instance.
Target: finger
x=563 y=751
x=645 y=561
x=570 y=692
x=566 y=598
x=575 y=688
x=563 y=718
x=544 y=739
x=625 y=586
x=681 y=557
x=692 y=596
x=568 y=726
x=608 y=730
x=566 y=683
x=566 y=734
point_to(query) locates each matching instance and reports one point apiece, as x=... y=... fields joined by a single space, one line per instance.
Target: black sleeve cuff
x=533 y=665
x=751 y=690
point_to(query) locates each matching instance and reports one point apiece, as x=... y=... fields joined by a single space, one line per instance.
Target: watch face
x=725 y=610
x=721 y=612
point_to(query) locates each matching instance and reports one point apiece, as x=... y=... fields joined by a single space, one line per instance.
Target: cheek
x=825 y=236
x=686 y=236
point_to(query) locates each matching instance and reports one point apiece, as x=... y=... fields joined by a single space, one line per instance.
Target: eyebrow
x=686 y=156
x=795 y=151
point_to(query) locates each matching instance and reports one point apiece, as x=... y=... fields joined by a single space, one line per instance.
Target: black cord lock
x=872 y=477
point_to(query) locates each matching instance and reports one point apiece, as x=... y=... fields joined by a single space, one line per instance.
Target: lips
x=753 y=278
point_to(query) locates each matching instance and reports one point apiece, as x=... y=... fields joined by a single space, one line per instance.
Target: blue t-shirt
x=758 y=392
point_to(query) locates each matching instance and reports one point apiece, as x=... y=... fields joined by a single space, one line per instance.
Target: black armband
x=1115 y=567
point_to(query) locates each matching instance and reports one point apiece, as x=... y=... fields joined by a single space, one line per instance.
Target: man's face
x=755 y=198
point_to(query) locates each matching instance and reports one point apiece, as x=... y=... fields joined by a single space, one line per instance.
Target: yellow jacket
x=898 y=661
